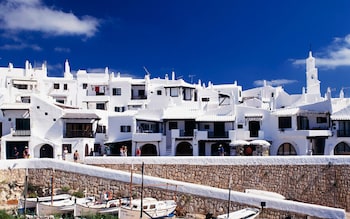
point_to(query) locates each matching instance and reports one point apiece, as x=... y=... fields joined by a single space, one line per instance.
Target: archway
x=149 y=150
x=46 y=151
x=184 y=149
x=286 y=149
x=342 y=149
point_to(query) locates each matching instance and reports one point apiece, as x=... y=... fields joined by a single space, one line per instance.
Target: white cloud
x=337 y=54
x=20 y=46
x=277 y=82
x=33 y=15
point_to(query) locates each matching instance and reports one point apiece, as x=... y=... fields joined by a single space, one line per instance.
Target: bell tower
x=312 y=82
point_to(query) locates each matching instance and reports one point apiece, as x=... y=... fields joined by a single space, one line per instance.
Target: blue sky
x=219 y=41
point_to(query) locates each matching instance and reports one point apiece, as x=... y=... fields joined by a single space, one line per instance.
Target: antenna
x=146 y=70
x=191 y=76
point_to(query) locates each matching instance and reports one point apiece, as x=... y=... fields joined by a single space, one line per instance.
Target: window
x=205 y=99
x=84 y=86
x=342 y=149
x=286 y=149
x=303 y=123
x=119 y=109
x=101 y=129
x=125 y=128
x=25 y=99
x=240 y=126
x=344 y=129
x=21 y=86
x=172 y=125
x=56 y=86
x=141 y=93
x=206 y=127
x=321 y=119
x=22 y=124
x=100 y=106
x=65 y=87
x=174 y=92
x=76 y=130
x=159 y=92
x=68 y=146
x=117 y=91
x=284 y=122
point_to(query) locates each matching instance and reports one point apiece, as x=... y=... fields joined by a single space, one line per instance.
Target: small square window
x=117 y=91
x=159 y=92
x=56 y=86
x=84 y=86
x=65 y=87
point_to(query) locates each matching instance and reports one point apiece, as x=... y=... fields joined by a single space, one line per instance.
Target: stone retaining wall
x=186 y=203
x=323 y=184
x=317 y=184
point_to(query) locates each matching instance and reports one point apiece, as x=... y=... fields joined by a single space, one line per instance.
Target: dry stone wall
x=317 y=184
x=186 y=203
x=324 y=184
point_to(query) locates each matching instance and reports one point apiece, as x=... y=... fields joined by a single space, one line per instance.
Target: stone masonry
x=325 y=184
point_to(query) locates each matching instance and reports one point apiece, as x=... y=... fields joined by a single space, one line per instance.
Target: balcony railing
x=184 y=133
x=343 y=133
x=21 y=133
x=218 y=135
x=79 y=134
x=142 y=97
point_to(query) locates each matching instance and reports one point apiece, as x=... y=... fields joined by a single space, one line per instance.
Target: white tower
x=67 y=73
x=312 y=82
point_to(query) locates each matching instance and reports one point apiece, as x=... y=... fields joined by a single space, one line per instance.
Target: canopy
x=239 y=142
x=261 y=142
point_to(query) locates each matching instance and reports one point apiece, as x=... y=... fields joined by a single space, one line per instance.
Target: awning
x=117 y=141
x=80 y=116
x=253 y=117
x=260 y=142
x=239 y=143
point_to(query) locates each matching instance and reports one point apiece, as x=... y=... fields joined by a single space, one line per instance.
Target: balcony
x=21 y=133
x=79 y=134
x=306 y=133
x=248 y=135
x=145 y=137
x=217 y=134
x=184 y=133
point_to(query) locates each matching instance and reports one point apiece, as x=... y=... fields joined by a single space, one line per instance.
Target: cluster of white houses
x=101 y=112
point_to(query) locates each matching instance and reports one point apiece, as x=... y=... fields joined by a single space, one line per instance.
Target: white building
x=103 y=111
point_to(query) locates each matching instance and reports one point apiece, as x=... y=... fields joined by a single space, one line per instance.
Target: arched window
x=286 y=149
x=342 y=149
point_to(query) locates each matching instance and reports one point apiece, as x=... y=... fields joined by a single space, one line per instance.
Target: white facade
x=103 y=111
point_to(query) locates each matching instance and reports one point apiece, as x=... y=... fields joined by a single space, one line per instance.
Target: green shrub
x=4 y=215
x=65 y=189
x=79 y=194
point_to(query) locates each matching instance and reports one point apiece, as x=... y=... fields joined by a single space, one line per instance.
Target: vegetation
x=79 y=194
x=65 y=189
x=5 y=215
